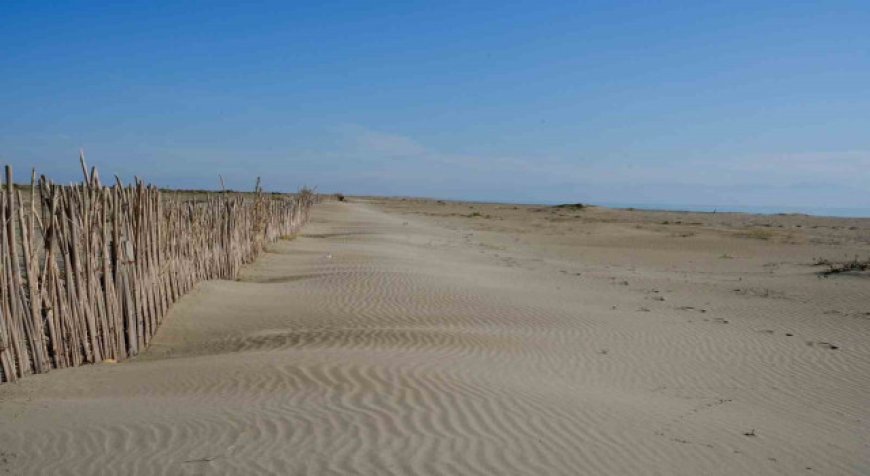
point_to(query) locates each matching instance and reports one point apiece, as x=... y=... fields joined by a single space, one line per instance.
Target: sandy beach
x=427 y=337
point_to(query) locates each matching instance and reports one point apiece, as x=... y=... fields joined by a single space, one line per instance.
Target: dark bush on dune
x=853 y=266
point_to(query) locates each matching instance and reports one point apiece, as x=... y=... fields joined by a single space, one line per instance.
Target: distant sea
x=817 y=211
x=763 y=210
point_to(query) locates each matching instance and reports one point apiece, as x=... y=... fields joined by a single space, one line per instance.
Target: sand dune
x=414 y=337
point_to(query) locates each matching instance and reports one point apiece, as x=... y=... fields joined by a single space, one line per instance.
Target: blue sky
x=687 y=103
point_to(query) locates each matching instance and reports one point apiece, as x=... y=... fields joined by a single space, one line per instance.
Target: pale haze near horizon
x=745 y=104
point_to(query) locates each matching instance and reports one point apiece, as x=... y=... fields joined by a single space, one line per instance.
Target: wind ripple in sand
x=356 y=349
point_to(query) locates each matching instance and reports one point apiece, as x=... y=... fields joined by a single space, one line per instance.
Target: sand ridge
x=409 y=337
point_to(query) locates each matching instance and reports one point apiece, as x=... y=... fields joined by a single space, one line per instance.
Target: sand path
x=381 y=344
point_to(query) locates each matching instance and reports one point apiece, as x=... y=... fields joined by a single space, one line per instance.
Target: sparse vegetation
x=757 y=234
x=855 y=265
x=822 y=262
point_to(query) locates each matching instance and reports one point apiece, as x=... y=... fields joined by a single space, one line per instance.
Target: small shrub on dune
x=852 y=266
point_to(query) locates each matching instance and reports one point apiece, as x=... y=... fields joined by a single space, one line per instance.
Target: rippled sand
x=418 y=338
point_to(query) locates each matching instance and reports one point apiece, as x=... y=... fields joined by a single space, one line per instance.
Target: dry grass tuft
x=853 y=266
x=757 y=234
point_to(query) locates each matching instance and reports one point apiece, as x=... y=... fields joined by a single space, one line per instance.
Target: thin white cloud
x=384 y=144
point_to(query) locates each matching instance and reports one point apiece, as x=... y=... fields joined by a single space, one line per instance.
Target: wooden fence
x=87 y=271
